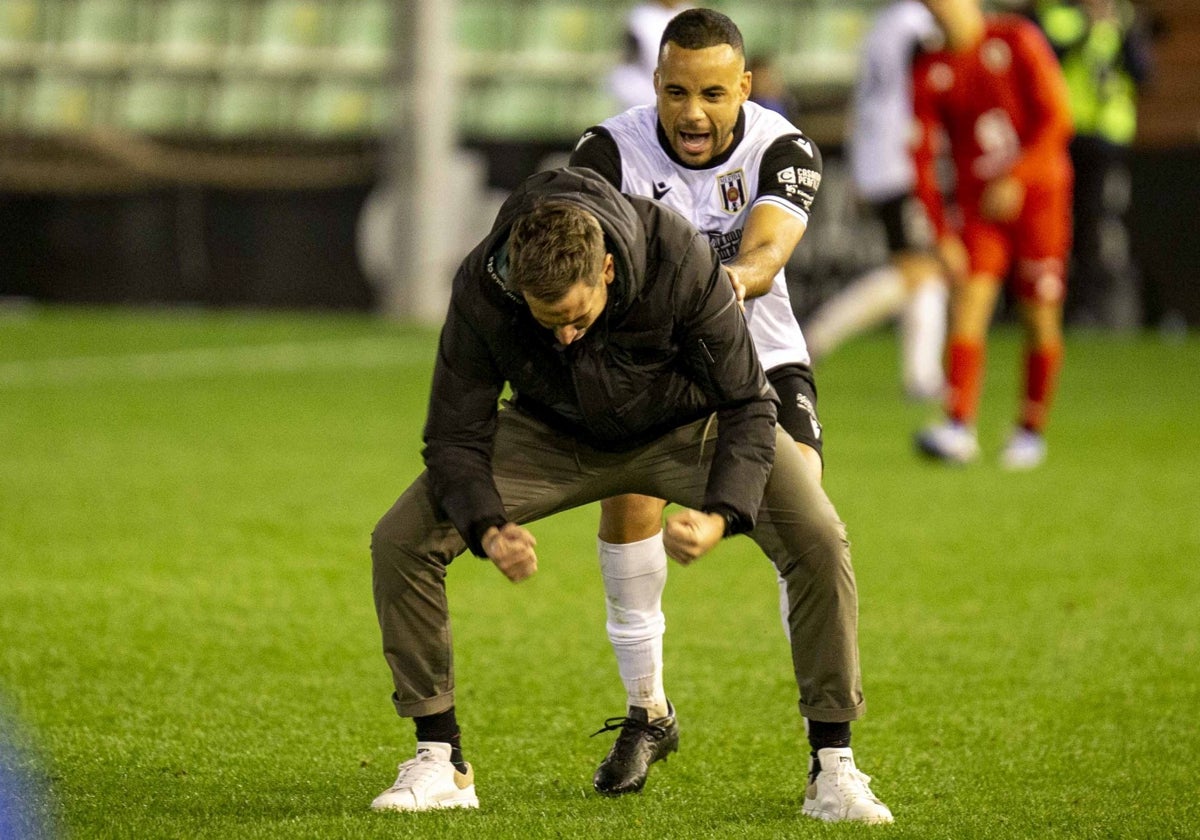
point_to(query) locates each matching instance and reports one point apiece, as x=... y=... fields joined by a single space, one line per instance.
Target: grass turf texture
x=188 y=646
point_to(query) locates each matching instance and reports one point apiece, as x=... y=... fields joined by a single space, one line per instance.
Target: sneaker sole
x=828 y=816
x=444 y=804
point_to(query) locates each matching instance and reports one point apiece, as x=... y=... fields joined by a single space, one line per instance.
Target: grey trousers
x=538 y=472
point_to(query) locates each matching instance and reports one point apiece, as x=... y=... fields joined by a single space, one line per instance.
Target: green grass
x=188 y=646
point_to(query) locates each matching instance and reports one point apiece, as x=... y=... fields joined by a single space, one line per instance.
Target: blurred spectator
x=1104 y=49
x=910 y=285
x=632 y=81
x=769 y=89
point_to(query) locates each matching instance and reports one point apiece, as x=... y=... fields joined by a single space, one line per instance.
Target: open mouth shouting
x=694 y=143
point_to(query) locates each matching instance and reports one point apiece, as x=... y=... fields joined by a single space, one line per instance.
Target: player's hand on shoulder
x=689 y=534
x=511 y=549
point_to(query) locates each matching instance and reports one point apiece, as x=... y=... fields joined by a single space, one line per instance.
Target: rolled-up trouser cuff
x=834 y=715
x=427 y=706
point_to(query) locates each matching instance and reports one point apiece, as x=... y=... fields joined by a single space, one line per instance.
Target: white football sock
x=923 y=338
x=866 y=302
x=635 y=575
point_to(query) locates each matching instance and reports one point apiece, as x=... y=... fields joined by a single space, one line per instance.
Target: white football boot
x=1023 y=451
x=429 y=781
x=952 y=442
x=841 y=793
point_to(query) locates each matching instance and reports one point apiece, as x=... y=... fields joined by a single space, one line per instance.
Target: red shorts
x=1037 y=243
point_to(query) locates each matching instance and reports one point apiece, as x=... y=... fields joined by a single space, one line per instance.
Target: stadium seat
x=246 y=106
x=191 y=33
x=363 y=35
x=342 y=108
x=518 y=109
x=484 y=27
x=100 y=34
x=293 y=35
x=157 y=104
x=557 y=29
x=21 y=30
x=61 y=102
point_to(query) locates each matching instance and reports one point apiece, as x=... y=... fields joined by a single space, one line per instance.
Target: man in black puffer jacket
x=632 y=371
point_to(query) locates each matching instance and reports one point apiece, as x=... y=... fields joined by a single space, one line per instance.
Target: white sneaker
x=429 y=781
x=841 y=793
x=1024 y=450
x=949 y=441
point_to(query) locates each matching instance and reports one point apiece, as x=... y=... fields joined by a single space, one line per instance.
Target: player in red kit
x=994 y=93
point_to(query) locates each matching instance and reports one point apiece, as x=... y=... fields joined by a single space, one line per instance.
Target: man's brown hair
x=553 y=247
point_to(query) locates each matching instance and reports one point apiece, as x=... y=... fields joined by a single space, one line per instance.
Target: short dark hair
x=696 y=29
x=552 y=247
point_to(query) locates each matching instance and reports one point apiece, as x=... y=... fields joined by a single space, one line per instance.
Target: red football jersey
x=1002 y=105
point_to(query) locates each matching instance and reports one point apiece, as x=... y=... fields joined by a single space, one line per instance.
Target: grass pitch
x=188 y=646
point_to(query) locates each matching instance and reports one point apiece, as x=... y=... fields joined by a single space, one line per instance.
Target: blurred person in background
x=746 y=178
x=1104 y=49
x=995 y=93
x=632 y=81
x=911 y=285
x=769 y=88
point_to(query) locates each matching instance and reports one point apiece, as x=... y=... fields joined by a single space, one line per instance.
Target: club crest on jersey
x=732 y=187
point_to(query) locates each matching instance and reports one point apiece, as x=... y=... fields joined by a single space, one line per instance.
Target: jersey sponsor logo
x=725 y=242
x=804 y=144
x=731 y=186
x=796 y=176
x=660 y=188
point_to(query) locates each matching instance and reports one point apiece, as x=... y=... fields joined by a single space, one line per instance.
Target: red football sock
x=1041 y=377
x=964 y=377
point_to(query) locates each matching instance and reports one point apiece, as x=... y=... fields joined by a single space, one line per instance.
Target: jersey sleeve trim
x=598 y=151
x=785 y=204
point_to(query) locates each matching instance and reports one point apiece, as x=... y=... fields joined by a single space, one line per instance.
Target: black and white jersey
x=769 y=161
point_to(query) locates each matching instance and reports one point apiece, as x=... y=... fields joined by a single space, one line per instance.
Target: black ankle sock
x=443 y=728
x=823 y=735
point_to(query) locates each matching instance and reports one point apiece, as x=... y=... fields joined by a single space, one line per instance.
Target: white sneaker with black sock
x=841 y=792
x=428 y=782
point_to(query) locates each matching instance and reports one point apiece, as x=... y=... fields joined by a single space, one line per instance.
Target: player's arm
x=597 y=150
x=460 y=425
x=926 y=130
x=1045 y=89
x=789 y=176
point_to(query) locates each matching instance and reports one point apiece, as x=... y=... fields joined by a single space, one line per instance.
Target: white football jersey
x=881 y=112
x=770 y=161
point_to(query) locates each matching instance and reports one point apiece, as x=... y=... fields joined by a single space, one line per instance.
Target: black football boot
x=641 y=743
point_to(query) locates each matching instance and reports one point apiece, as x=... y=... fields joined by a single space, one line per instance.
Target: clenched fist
x=689 y=534
x=511 y=549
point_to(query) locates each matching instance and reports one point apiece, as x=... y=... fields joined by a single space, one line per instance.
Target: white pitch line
x=177 y=364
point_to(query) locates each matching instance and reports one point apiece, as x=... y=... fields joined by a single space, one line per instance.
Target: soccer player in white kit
x=747 y=178
x=879 y=143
